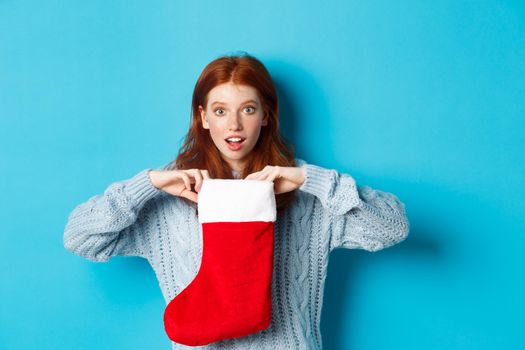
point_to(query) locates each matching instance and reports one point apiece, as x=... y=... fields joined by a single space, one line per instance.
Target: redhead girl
x=234 y=134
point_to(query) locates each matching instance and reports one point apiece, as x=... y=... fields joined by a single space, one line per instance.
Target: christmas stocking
x=231 y=295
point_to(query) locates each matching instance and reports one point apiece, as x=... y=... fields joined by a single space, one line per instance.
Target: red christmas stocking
x=231 y=295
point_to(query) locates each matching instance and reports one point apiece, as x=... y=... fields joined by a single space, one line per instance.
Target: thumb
x=192 y=196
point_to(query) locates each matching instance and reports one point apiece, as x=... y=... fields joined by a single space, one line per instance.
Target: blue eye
x=252 y=109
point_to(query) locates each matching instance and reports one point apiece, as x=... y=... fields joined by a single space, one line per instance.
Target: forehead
x=232 y=93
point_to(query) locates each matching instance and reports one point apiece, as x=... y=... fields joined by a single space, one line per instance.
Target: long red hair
x=199 y=151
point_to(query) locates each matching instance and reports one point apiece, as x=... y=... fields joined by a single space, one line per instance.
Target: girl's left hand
x=285 y=179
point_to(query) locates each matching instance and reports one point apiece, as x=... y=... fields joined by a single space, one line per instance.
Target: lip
x=235 y=146
x=238 y=136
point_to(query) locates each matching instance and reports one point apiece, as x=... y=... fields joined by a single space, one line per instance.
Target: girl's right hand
x=178 y=182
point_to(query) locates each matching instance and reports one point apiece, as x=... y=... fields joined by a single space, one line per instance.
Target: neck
x=237 y=166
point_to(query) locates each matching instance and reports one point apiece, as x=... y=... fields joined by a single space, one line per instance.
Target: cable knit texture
x=134 y=218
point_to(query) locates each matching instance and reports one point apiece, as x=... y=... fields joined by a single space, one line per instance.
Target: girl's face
x=233 y=111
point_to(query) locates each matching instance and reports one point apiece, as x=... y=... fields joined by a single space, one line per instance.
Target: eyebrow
x=223 y=103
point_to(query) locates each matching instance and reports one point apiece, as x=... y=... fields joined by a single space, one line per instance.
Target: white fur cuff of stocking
x=228 y=200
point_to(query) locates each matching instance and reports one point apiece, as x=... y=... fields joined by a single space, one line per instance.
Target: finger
x=279 y=172
x=262 y=174
x=263 y=177
x=198 y=179
x=269 y=173
x=272 y=174
x=206 y=174
x=250 y=176
x=186 y=180
x=253 y=176
x=192 y=196
x=277 y=169
x=271 y=177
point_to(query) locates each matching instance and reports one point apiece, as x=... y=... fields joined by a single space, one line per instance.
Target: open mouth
x=235 y=143
x=235 y=140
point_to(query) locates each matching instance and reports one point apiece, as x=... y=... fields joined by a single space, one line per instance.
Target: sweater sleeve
x=106 y=224
x=360 y=217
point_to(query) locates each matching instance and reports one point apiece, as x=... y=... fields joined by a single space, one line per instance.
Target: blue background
x=423 y=99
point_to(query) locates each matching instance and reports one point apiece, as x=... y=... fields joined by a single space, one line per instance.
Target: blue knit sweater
x=134 y=218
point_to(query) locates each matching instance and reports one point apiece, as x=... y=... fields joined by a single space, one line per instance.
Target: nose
x=235 y=122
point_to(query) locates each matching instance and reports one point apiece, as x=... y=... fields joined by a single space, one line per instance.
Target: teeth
x=234 y=139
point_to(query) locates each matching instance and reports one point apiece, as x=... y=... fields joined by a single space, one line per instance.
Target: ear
x=204 y=120
x=265 y=120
